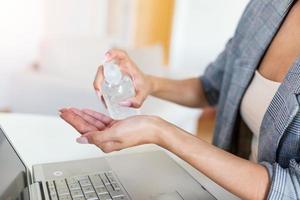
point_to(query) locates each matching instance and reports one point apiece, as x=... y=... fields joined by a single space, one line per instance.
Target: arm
x=241 y=177
x=188 y=92
x=194 y=92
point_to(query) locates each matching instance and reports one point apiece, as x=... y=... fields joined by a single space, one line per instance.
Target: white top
x=254 y=105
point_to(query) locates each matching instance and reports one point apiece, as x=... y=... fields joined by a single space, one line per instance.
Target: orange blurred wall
x=153 y=23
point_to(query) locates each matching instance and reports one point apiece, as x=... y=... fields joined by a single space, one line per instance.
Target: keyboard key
x=104 y=197
x=65 y=197
x=74 y=186
x=116 y=186
x=116 y=193
x=101 y=190
x=79 y=178
x=104 y=179
x=62 y=191
x=88 y=189
x=72 y=180
x=50 y=184
x=61 y=183
x=79 y=198
x=53 y=197
x=76 y=193
x=109 y=188
x=52 y=190
x=96 y=181
x=120 y=198
x=85 y=182
x=111 y=177
x=91 y=196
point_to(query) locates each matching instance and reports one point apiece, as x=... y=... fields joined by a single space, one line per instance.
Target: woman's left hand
x=114 y=135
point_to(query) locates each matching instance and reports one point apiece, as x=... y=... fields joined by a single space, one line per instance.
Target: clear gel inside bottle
x=117 y=87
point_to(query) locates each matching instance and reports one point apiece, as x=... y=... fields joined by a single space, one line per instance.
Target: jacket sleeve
x=285 y=182
x=213 y=76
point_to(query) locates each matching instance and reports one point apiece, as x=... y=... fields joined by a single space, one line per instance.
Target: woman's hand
x=142 y=83
x=111 y=135
x=85 y=120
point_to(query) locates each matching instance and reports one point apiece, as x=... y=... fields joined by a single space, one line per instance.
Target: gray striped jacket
x=226 y=80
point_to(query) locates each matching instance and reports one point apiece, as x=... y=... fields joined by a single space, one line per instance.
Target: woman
x=253 y=81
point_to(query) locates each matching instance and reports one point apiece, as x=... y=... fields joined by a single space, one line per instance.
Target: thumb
x=134 y=102
x=94 y=137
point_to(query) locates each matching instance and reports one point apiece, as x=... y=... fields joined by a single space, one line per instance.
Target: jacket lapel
x=272 y=18
x=284 y=105
x=280 y=114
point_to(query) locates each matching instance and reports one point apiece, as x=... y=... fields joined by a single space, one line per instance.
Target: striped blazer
x=226 y=80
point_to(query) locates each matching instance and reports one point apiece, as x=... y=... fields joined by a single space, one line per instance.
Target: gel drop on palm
x=117 y=87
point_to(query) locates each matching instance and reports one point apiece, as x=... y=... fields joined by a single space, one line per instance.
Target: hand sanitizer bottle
x=116 y=88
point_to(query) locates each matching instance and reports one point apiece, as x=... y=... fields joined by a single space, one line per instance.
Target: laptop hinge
x=35 y=191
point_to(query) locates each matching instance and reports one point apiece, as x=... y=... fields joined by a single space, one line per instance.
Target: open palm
x=86 y=120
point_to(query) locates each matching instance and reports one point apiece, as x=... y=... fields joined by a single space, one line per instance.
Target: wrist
x=166 y=135
x=158 y=130
x=152 y=80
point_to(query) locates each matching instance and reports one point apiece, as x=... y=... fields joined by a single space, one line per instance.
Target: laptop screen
x=13 y=184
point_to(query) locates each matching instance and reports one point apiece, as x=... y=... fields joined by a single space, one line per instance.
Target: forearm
x=188 y=92
x=239 y=176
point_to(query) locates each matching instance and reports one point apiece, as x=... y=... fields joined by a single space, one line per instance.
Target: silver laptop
x=139 y=176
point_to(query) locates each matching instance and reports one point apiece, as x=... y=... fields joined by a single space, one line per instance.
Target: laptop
x=138 y=176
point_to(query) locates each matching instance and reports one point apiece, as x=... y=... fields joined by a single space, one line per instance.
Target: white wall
x=75 y=18
x=25 y=23
x=200 y=31
x=20 y=33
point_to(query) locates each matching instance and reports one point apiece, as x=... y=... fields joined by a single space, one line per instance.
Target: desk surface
x=42 y=139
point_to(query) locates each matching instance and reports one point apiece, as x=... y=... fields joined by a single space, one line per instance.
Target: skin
x=284 y=49
x=243 y=178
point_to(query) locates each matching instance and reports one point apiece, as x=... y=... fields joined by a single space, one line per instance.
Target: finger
x=99 y=116
x=108 y=147
x=129 y=68
x=103 y=101
x=77 y=122
x=137 y=101
x=63 y=110
x=112 y=123
x=101 y=98
x=98 y=79
x=88 y=118
x=134 y=102
x=125 y=65
x=104 y=140
x=97 y=137
x=116 y=54
x=111 y=146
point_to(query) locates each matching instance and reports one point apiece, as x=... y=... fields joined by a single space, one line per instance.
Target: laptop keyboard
x=102 y=186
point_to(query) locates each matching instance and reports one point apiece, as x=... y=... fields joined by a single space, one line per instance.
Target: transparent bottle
x=117 y=87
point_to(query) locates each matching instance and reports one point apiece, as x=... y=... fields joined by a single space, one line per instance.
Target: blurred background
x=50 y=49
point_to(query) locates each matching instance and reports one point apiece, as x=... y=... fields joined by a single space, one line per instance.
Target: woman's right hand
x=143 y=84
